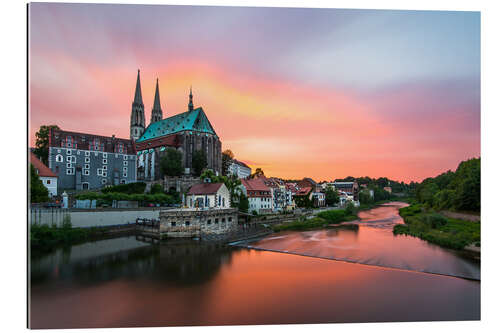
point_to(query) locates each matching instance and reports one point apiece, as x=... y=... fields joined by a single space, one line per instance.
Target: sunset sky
x=319 y=93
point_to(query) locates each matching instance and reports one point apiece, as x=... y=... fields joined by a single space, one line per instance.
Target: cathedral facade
x=186 y=132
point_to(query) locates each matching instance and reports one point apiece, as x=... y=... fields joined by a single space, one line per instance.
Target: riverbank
x=45 y=238
x=437 y=229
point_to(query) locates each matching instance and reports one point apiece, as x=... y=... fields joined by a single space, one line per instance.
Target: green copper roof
x=195 y=120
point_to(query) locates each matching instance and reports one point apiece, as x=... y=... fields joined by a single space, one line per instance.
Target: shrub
x=130 y=188
x=156 y=188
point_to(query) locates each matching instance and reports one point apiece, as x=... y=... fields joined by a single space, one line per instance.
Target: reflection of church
x=187 y=132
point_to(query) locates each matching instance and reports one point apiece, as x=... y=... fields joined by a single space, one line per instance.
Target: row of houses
x=266 y=195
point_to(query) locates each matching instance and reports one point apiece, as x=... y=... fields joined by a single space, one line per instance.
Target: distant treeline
x=397 y=187
x=459 y=190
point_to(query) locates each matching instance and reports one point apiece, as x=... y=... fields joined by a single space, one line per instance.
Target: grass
x=45 y=238
x=437 y=229
x=323 y=220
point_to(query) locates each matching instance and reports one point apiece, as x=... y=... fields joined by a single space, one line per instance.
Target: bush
x=156 y=188
x=131 y=188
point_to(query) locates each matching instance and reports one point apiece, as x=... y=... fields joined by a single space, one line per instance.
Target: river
x=328 y=276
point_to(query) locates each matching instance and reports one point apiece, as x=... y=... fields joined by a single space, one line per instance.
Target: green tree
x=331 y=196
x=258 y=173
x=243 y=203
x=42 y=142
x=227 y=159
x=156 y=189
x=171 y=163
x=199 y=162
x=38 y=192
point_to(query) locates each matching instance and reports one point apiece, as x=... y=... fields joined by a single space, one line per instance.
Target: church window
x=68 y=165
x=104 y=161
x=124 y=157
x=105 y=155
x=87 y=153
x=124 y=175
x=68 y=151
x=104 y=173
x=105 y=167
x=86 y=172
x=104 y=181
x=87 y=159
x=125 y=163
x=125 y=169
x=59 y=158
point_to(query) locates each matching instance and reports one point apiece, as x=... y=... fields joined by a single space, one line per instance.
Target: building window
x=48 y=181
x=125 y=169
x=209 y=221
x=104 y=161
x=59 y=158
x=68 y=151
x=70 y=171
x=105 y=167
x=87 y=166
x=85 y=186
x=105 y=155
x=125 y=162
x=87 y=153
x=229 y=219
x=86 y=172
x=104 y=181
x=124 y=157
x=172 y=224
x=87 y=159
x=68 y=165
x=104 y=173
x=99 y=172
x=124 y=175
x=122 y=181
x=223 y=219
x=187 y=223
x=216 y=221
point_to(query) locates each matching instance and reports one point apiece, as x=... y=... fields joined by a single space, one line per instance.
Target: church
x=186 y=132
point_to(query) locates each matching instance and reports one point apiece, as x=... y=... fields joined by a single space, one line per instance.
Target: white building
x=259 y=195
x=48 y=178
x=240 y=169
x=208 y=195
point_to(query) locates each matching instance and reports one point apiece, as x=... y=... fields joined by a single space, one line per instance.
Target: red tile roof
x=304 y=191
x=205 y=188
x=256 y=184
x=43 y=170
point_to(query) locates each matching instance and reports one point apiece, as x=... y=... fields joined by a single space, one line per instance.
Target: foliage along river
x=375 y=276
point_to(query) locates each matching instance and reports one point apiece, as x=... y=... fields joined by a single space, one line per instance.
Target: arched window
x=59 y=158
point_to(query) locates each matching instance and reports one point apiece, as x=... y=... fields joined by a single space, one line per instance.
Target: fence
x=50 y=216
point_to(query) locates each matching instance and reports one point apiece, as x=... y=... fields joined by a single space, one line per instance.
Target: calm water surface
x=126 y=282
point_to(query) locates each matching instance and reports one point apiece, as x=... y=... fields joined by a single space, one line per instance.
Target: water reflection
x=126 y=282
x=374 y=244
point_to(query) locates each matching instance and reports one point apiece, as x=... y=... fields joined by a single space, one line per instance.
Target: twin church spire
x=137 y=119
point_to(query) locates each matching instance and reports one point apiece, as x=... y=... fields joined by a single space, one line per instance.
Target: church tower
x=156 y=112
x=137 y=122
x=190 y=105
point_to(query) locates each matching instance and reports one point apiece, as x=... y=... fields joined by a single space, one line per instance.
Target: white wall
x=52 y=187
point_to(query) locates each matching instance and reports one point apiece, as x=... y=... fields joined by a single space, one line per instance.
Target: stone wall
x=181 y=184
x=195 y=223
